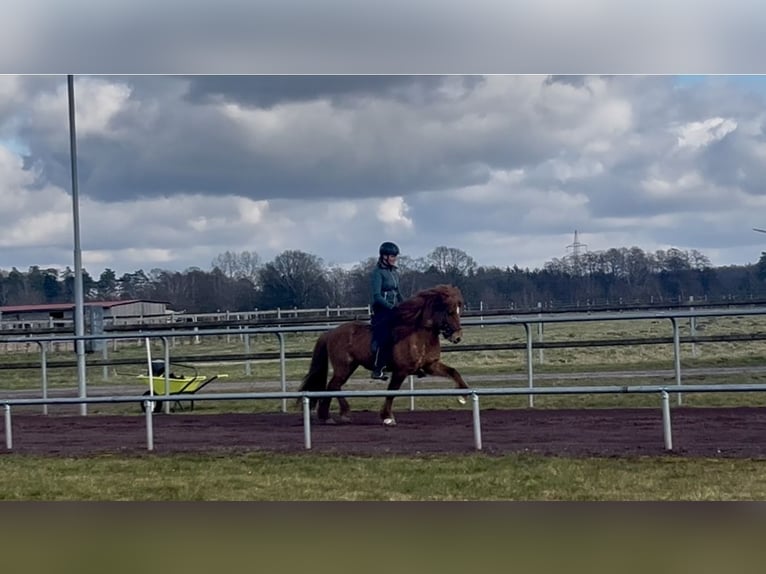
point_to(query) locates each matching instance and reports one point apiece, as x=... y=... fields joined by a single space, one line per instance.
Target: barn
x=62 y=314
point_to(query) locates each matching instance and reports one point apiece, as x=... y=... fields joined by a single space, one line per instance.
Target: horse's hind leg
x=335 y=384
x=339 y=378
x=323 y=409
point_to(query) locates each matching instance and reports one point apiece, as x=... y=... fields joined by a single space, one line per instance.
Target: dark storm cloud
x=192 y=146
x=737 y=161
x=269 y=90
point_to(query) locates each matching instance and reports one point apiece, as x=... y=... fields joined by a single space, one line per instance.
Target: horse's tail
x=316 y=379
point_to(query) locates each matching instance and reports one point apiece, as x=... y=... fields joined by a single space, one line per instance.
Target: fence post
x=693 y=327
x=306 y=423
x=44 y=373
x=540 y=331
x=677 y=354
x=8 y=436
x=530 y=378
x=476 y=421
x=248 y=370
x=666 y=430
x=282 y=369
x=105 y=357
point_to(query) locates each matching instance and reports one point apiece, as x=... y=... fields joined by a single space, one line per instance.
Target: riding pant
x=382 y=337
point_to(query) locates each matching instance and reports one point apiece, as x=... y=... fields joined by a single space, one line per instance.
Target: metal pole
x=530 y=377
x=79 y=321
x=412 y=397
x=693 y=327
x=149 y=368
x=666 y=431
x=282 y=369
x=476 y=421
x=540 y=332
x=44 y=373
x=306 y=423
x=166 y=358
x=677 y=353
x=248 y=370
x=8 y=436
x=149 y=427
x=105 y=357
x=149 y=405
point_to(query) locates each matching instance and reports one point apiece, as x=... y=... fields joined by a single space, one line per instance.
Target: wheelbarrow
x=187 y=382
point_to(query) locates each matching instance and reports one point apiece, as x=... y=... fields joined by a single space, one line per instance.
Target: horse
x=416 y=325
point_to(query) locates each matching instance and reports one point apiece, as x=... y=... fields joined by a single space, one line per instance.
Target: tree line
x=239 y=281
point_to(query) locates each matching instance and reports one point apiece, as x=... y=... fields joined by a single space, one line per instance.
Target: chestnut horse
x=417 y=324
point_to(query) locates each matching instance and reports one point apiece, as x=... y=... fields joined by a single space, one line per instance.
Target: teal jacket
x=384 y=284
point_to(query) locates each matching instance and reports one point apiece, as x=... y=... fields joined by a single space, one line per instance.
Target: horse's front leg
x=386 y=413
x=439 y=369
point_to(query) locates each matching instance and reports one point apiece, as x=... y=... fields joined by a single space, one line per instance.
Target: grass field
x=259 y=476
x=275 y=477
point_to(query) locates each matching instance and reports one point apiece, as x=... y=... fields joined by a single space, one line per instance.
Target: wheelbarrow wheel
x=157 y=405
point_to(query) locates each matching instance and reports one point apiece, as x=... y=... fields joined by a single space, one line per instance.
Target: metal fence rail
x=526 y=321
x=475 y=394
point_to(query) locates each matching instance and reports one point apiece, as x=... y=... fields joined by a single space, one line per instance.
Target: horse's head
x=436 y=309
x=445 y=307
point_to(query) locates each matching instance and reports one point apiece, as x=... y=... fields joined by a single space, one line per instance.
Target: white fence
x=531 y=391
x=663 y=392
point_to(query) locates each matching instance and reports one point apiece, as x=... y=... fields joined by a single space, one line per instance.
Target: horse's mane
x=419 y=309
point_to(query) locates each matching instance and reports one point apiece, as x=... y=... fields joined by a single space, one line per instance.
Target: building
x=62 y=314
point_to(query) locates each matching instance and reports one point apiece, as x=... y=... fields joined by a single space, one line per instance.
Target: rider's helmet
x=388 y=248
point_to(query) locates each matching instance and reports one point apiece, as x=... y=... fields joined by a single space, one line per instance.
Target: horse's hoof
x=389 y=422
x=329 y=421
x=344 y=419
x=461 y=400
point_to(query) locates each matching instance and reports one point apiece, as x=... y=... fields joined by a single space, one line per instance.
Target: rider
x=384 y=282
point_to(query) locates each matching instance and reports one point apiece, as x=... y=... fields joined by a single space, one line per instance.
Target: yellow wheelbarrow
x=186 y=383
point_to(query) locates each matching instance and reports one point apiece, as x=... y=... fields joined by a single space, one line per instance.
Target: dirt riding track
x=710 y=432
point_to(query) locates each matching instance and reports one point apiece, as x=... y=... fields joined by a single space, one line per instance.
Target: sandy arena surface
x=697 y=432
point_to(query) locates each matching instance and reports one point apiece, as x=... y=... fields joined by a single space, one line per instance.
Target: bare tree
x=242 y=265
x=451 y=265
x=294 y=279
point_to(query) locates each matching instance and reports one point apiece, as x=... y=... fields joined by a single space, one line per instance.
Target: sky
x=498 y=127
x=174 y=170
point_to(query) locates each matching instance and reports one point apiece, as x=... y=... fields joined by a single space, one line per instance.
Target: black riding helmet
x=388 y=248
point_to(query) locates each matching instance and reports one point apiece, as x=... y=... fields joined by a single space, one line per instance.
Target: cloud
x=699 y=134
x=174 y=170
x=392 y=211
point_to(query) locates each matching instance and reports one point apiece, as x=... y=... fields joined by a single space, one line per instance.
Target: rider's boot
x=377 y=371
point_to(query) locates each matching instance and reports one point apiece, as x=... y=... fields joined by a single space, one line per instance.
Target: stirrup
x=378 y=374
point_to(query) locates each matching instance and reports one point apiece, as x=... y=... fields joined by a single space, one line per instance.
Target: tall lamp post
x=79 y=320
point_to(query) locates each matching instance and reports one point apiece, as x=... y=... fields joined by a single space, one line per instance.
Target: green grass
x=276 y=477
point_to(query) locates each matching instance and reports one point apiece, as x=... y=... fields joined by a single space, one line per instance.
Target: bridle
x=446 y=329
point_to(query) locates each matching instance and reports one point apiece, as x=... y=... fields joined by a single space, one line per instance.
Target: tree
x=16 y=287
x=761 y=267
x=134 y=285
x=238 y=265
x=107 y=287
x=51 y=287
x=294 y=279
x=88 y=284
x=450 y=265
